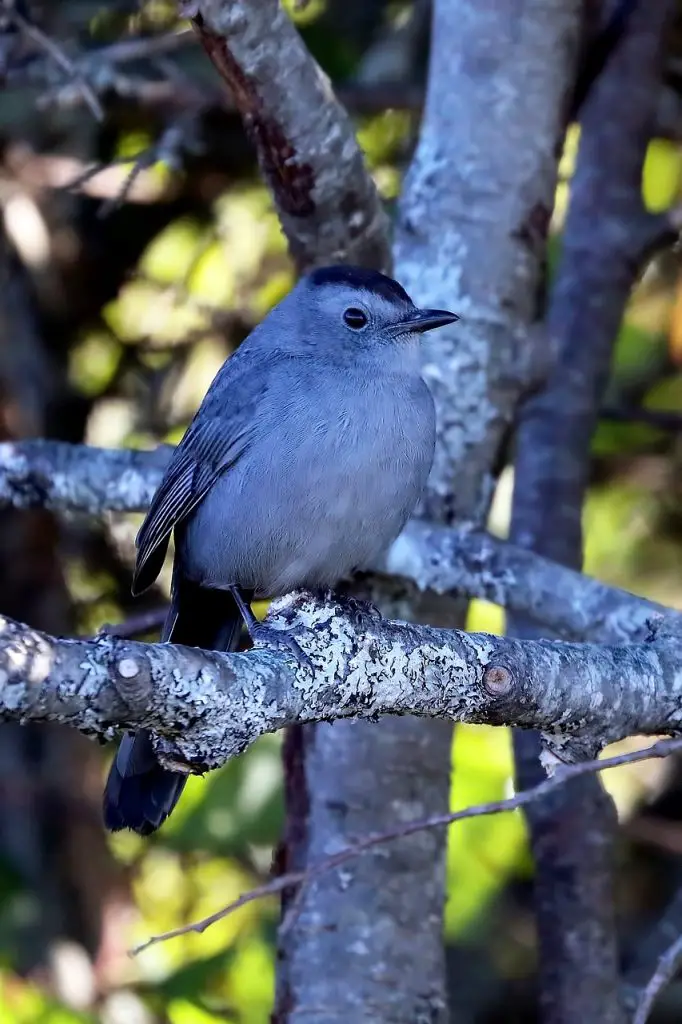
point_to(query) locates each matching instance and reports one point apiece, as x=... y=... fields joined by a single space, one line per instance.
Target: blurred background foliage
x=121 y=297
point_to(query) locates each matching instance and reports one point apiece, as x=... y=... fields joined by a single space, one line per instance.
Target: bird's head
x=360 y=312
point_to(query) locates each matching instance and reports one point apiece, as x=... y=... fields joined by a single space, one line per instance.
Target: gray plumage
x=302 y=464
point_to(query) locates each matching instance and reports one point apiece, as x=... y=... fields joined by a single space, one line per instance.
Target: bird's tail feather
x=139 y=793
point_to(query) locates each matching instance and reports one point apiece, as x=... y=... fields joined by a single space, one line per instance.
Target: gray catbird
x=302 y=464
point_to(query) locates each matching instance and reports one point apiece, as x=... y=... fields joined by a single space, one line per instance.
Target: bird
x=303 y=462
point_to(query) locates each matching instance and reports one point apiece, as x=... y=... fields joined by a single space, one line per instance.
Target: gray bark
x=306 y=146
x=211 y=706
x=469 y=158
x=606 y=233
x=462 y=559
x=74 y=478
x=473 y=222
x=474 y=200
x=330 y=212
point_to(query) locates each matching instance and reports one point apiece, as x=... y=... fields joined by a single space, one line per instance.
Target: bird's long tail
x=139 y=793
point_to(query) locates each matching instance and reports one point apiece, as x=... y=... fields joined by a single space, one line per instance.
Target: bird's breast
x=328 y=482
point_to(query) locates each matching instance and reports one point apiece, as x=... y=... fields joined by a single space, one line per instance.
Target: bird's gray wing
x=217 y=436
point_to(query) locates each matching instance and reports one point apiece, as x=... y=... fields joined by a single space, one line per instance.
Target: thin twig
x=61 y=59
x=660 y=419
x=662 y=748
x=91 y=172
x=126 y=51
x=142 y=163
x=146 y=159
x=166 y=150
x=663 y=975
x=136 y=625
x=293 y=911
x=142 y=47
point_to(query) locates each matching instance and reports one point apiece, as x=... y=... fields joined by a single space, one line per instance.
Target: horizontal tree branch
x=448 y=560
x=464 y=559
x=207 y=707
x=77 y=478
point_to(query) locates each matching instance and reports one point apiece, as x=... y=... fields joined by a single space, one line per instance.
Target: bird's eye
x=355 y=318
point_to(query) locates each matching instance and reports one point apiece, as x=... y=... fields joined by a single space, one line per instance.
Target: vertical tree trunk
x=365 y=943
x=573 y=833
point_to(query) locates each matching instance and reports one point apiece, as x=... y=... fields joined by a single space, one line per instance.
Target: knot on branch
x=498 y=681
x=131 y=675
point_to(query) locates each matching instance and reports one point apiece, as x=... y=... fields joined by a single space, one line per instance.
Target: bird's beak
x=427 y=319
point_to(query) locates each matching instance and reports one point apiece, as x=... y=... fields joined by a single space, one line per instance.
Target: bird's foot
x=262 y=634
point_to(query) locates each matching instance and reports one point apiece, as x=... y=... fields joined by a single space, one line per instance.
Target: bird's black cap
x=361 y=277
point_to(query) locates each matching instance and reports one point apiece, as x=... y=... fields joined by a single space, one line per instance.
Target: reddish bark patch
x=534 y=229
x=291 y=180
x=291 y=854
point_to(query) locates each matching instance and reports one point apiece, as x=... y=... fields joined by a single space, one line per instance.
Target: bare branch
x=167 y=149
x=139 y=49
x=307 y=150
x=58 y=171
x=61 y=59
x=663 y=748
x=102 y=68
x=650 y=952
x=465 y=560
x=601 y=258
x=55 y=475
x=448 y=560
x=660 y=419
x=136 y=625
x=210 y=706
x=90 y=73
x=666 y=970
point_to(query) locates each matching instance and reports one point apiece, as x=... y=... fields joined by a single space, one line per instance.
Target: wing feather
x=217 y=436
x=203 y=454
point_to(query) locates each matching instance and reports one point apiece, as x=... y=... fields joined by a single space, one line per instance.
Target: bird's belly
x=345 y=532
x=305 y=511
